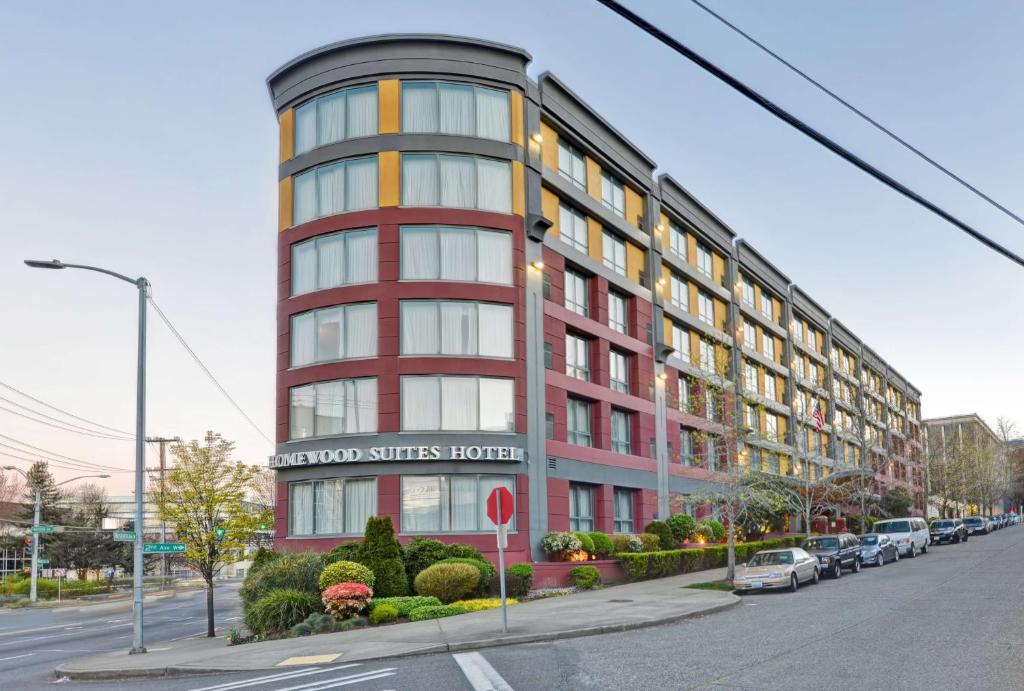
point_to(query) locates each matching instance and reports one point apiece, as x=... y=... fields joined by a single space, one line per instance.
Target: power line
x=55 y=463
x=859 y=113
x=61 y=410
x=75 y=429
x=206 y=370
x=803 y=127
x=52 y=453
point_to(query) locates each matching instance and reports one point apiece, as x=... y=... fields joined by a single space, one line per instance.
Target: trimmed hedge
x=650 y=542
x=348 y=551
x=666 y=540
x=422 y=613
x=602 y=545
x=518 y=581
x=383 y=614
x=345 y=572
x=422 y=552
x=681 y=525
x=585 y=577
x=406 y=604
x=676 y=561
x=586 y=543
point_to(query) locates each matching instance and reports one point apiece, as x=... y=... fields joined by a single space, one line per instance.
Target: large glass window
x=749 y=334
x=336 y=116
x=576 y=298
x=613 y=252
x=571 y=164
x=681 y=342
x=335 y=188
x=456 y=328
x=617 y=311
x=707 y=356
x=680 y=291
x=334 y=260
x=578 y=422
x=748 y=293
x=771 y=429
x=705 y=308
x=449 y=108
x=334 y=333
x=685 y=447
x=581 y=507
x=456 y=253
x=677 y=240
x=749 y=377
x=623 y=510
x=577 y=357
x=704 y=263
x=684 y=393
x=618 y=366
x=457 y=404
x=343 y=406
x=613 y=194
x=450 y=503
x=331 y=507
x=769 y=386
x=572 y=227
x=463 y=182
x=766 y=305
x=621 y=431
x=768 y=345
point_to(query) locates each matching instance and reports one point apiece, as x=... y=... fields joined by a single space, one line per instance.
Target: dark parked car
x=876 y=550
x=977 y=525
x=835 y=553
x=947 y=530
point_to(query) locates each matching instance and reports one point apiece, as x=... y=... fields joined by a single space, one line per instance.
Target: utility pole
x=162 y=441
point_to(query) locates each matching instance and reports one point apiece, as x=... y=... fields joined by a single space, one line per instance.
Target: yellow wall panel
x=634 y=261
x=757 y=303
x=518 y=189
x=388 y=178
x=549 y=207
x=691 y=249
x=778 y=349
x=694 y=348
x=549 y=148
x=287 y=135
x=666 y=278
x=284 y=204
x=668 y=332
x=634 y=207
x=777 y=310
x=783 y=427
x=720 y=314
x=595 y=240
x=691 y=289
x=761 y=374
x=718 y=268
x=389 y=111
x=664 y=231
x=759 y=330
x=593 y=178
x=516 y=102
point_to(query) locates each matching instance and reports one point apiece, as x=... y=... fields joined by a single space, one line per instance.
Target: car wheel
x=913 y=550
x=880 y=560
x=794 y=583
x=856 y=565
x=956 y=539
x=966 y=537
x=816 y=576
x=896 y=554
x=837 y=570
x=924 y=548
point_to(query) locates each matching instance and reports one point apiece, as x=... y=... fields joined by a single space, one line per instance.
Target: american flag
x=819 y=418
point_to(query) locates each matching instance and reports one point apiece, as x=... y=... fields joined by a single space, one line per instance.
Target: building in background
x=968 y=466
x=481 y=282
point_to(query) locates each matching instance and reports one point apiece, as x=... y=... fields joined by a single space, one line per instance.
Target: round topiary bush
x=486 y=569
x=665 y=538
x=585 y=577
x=280 y=610
x=448 y=582
x=422 y=552
x=586 y=544
x=558 y=543
x=345 y=572
x=462 y=551
x=717 y=529
x=602 y=545
x=383 y=614
x=346 y=600
x=290 y=571
x=681 y=525
x=650 y=542
x=518 y=581
x=627 y=543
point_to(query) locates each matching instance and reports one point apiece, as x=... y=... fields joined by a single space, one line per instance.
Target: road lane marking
x=479 y=673
x=280 y=676
x=343 y=681
x=15 y=657
x=308 y=660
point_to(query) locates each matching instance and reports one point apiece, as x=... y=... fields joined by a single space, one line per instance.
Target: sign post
x=499 y=509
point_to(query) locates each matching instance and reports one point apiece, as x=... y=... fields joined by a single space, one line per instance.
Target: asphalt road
x=34 y=641
x=950 y=619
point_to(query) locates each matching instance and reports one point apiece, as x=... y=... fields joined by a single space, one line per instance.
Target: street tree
x=206 y=496
x=897 y=502
x=11 y=487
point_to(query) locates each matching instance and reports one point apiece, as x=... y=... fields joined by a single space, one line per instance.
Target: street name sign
x=124 y=536
x=163 y=548
x=42 y=529
x=43 y=562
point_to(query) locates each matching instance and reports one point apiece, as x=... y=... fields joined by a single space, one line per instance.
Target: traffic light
x=219 y=532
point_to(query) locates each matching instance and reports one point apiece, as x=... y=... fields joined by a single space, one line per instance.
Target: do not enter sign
x=506 y=502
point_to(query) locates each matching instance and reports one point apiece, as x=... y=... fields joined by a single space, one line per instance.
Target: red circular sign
x=507 y=505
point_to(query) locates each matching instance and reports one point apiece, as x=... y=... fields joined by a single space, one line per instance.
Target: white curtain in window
x=420 y=328
x=495 y=330
x=456 y=101
x=420 y=253
x=419 y=107
x=497 y=405
x=329 y=517
x=301 y=508
x=330 y=181
x=494 y=179
x=419 y=180
x=331 y=118
x=303 y=339
x=361 y=178
x=330 y=326
x=362 y=111
x=458 y=254
x=304 y=271
x=462 y=489
x=304 y=204
x=458 y=328
x=361 y=256
x=305 y=127
x=421 y=504
x=331 y=260
x=330 y=408
x=301 y=411
x=494 y=257
x=362 y=406
x=492 y=114
x=458 y=181
x=361 y=330
x=486 y=485
x=459 y=404
x=360 y=504
x=421 y=409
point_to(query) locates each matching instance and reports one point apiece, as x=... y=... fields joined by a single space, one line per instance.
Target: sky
x=140 y=137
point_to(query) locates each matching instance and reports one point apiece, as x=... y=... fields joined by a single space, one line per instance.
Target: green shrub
x=518 y=581
x=482 y=604
x=294 y=571
x=404 y=605
x=45 y=587
x=263 y=557
x=585 y=577
x=869 y=522
x=666 y=540
x=302 y=629
x=345 y=572
x=487 y=572
x=586 y=544
x=422 y=552
x=676 y=561
x=627 y=543
x=314 y=623
x=602 y=545
x=681 y=526
x=280 y=610
x=381 y=553
x=423 y=613
x=348 y=551
x=559 y=542
x=448 y=582
x=383 y=614
x=459 y=550
x=717 y=529
x=650 y=542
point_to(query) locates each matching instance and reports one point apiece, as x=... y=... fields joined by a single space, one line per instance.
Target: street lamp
x=140 y=433
x=35 y=521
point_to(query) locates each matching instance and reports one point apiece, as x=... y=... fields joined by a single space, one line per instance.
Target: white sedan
x=777 y=568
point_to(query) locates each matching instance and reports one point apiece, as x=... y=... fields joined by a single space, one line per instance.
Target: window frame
x=578 y=345
x=479 y=328
x=621 y=383
x=615 y=297
x=343 y=337
x=316 y=241
x=445 y=493
x=577 y=521
x=677 y=240
x=346 y=530
x=571 y=150
x=621 y=524
x=678 y=284
x=705 y=307
x=583 y=411
x=571 y=305
x=316 y=102
x=313 y=386
x=610 y=238
x=614 y=185
x=436 y=230
x=705 y=255
x=436 y=156
x=315 y=173
x=621 y=445
x=437 y=83
x=571 y=239
x=440 y=403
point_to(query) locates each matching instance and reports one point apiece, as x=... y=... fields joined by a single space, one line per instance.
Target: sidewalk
x=617 y=608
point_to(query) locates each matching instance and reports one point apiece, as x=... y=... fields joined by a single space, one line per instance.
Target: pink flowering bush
x=346 y=600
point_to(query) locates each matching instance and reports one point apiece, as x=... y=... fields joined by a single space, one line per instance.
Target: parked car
x=876 y=550
x=777 y=568
x=835 y=553
x=947 y=530
x=977 y=525
x=993 y=524
x=909 y=534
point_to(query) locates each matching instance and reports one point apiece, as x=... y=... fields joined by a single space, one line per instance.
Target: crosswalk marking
x=343 y=681
x=281 y=676
x=479 y=673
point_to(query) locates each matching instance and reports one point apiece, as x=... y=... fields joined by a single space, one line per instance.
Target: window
x=572 y=228
x=549 y=426
x=773 y=463
x=766 y=305
x=623 y=511
x=334 y=260
x=681 y=342
x=812 y=338
x=798 y=330
x=576 y=298
x=749 y=334
x=448 y=108
x=769 y=386
x=456 y=328
x=577 y=357
x=710 y=404
x=813 y=370
x=684 y=394
x=457 y=404
x=677 y=240
x=704 y=260
x=618 y=366
x=456 y=253
x=613 y=252
x=685 y=447
x=450 y=503
x=571 y=164
x=771 y=427
x=712 y=452
x=749 y=377
x=748 y=293
x=331 y=507
x=707 y=356
x=752 y=418
x=578 y=422
x=800 y=366
x=335 y=188
x=343 y=406
x=334 y=333
x=464 y=182
x=336 y=116
x=679 y=292
x=705 y=308
x=581 y=507
x=621 y=431
x=617 y=311
x=768 y=345
x=613 y=194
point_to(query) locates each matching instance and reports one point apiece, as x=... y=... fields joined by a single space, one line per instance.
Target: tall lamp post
x=140 y=433
x=35 y=521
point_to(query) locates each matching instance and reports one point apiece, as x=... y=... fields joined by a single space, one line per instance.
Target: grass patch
x=712 y=585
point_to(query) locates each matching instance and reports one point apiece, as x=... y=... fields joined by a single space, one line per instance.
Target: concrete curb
x=65 y=671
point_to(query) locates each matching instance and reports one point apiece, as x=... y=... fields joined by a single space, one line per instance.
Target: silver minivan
x=910 y=534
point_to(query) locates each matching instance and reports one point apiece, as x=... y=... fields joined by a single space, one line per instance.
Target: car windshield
x=942 y=524
x=822 y=543
x=770 y=559
x=973 y=520
x=869 y=540
x=892 y=527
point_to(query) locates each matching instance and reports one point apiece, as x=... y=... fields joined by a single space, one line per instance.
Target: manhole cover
x=619 y=600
